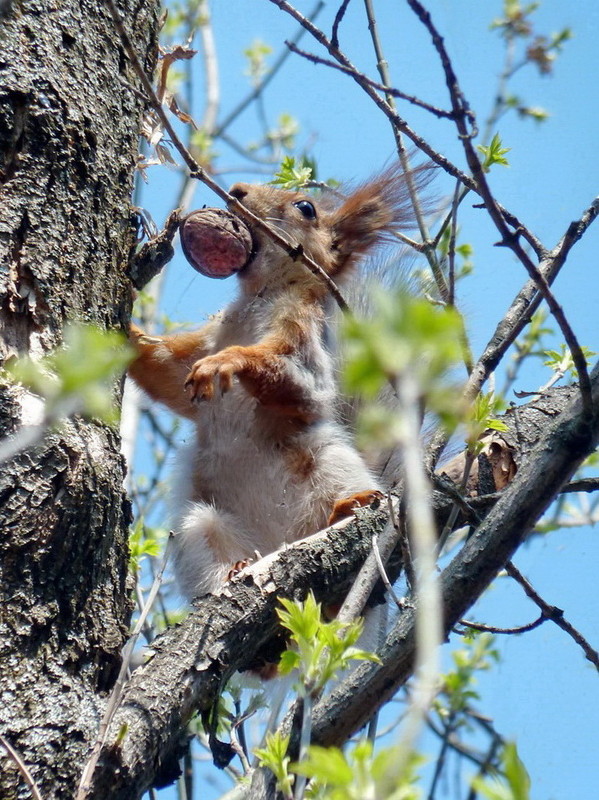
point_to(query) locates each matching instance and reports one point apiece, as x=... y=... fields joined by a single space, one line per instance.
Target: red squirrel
x=270 y=463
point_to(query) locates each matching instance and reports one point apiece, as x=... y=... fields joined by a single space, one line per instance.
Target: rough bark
x=233 y=630
x=225 y=632
x=69 y=122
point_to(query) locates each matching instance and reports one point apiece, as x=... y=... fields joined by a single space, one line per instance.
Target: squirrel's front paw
x=238 y=566
x=205 y=372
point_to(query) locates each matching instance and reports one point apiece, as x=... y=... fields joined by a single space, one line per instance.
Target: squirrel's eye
x=307 y=209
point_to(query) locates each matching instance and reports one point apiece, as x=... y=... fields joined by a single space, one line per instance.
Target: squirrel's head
x=335 y=230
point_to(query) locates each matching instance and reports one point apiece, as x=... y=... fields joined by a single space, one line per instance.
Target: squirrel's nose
x=239 y=190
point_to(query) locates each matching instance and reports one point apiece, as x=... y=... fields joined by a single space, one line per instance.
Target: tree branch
x=552 y=462
x=582 y=485
x=478 y=626
x=554 y=614
x=338 y=17
x=511 y=239
x=225 y=632
x=362 y=78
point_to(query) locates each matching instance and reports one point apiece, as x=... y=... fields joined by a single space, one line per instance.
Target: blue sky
x=543 y=694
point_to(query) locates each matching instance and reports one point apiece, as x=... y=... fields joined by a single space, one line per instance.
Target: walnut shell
x=215 y=242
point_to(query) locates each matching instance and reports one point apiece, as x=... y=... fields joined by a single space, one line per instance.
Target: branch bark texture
x=225 y=632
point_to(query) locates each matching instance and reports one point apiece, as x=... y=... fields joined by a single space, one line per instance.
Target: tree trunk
x=69 y=123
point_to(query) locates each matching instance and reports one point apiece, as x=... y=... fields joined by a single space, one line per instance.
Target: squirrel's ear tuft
x=373 y=212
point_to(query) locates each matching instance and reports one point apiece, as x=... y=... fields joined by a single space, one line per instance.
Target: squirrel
x=270 y=462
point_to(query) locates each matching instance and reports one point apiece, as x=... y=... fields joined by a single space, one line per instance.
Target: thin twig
x=515 y=319
x=582 y=485
x=380 y=87
x=404 y=545
x=509 y=238
x=477 y=626
x=402 y=125
x=462 y=114
x=457 y=506
x=452 y=242
x=576 y=230
x=448 y=731
x=383 y=70
x=456 y=744
x=553 y=613
x=259 y=88
x=366 y=579
x=337 y=21
x=371 y=733
x=239 y=749
x=447 y=220
x=496 y=742
x=381 y=103
x=383 y=574
x=304 y=743
x=22 y=767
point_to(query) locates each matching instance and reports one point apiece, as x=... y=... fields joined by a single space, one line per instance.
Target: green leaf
x=482 y=418
x=513 y=785
x=77 y=377
x=289 y=661
x=285 y=132
x=535 y=113
x=292 y=174
x=321 y=649
x=561 y=360
x=257 y=66
x=144 y=541
x=301 y=619
x=494 y=153
x=515 y=773
x=326 y=764
x=403 y=336
x=274 y=756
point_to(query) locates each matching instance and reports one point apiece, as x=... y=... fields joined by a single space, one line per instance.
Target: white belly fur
x=248 y=498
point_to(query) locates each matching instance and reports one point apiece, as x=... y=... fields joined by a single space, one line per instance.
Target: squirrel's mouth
x=249 y=230
x=255 y=247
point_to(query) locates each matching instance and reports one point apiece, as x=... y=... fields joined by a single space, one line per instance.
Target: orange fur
x=347 y=505
x=163 y=362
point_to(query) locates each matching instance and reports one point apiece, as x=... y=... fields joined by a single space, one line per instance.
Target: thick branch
x=557 y=455
x=553 y=461
x=225 y=632
x=222 y=633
